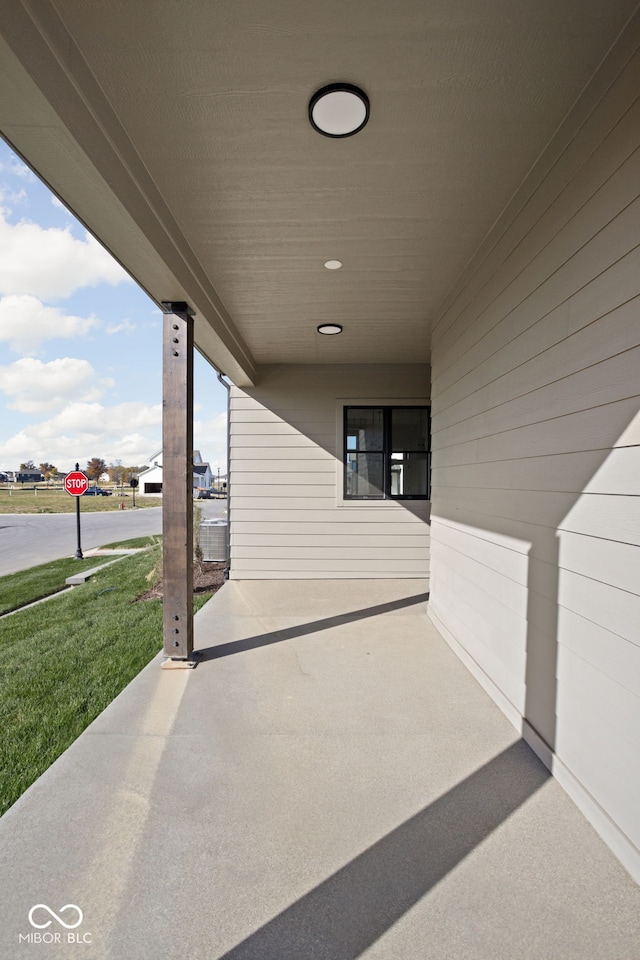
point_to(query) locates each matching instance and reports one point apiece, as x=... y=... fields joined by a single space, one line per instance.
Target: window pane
x=409 y=428
x=409 y=474
x=364 y=475
x=364 y=428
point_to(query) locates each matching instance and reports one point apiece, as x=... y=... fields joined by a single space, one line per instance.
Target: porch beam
x=177 y=481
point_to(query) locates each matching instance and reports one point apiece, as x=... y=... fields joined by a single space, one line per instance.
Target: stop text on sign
x=76 y=483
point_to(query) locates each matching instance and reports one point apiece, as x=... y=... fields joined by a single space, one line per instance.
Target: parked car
x=204 y=494
x=97 y=492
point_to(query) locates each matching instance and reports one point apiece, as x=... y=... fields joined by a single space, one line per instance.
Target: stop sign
x=75 y=483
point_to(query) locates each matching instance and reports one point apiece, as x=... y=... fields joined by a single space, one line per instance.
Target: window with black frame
x=386 y=453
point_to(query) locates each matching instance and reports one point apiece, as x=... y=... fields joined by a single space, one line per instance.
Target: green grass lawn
x=62 y=662
x=18 y=589
x=147 y=541
x=52 y=500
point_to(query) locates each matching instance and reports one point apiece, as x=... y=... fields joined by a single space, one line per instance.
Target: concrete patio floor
x=329 y=783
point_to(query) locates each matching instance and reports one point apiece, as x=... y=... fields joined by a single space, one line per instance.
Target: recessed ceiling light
x=329 y=329
x=333 y=264
x=339 y=110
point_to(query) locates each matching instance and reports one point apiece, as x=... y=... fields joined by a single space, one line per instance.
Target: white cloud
x=125 y=326
x=17 y=168
x=35 y=386
x=210 y=438
x=128 y=431
x=25 y=323
x=217 y=426
x=9 y=195
x=50 y=263
x=94 y=418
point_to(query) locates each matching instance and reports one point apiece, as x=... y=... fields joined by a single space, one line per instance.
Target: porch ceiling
x=177 y=131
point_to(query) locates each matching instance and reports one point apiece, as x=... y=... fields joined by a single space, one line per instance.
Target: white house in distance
x=431 y=327
x=150 y=480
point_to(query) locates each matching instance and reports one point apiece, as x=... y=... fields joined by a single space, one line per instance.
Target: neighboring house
x=202 y=475
x=487 y=219
x=29 y=476
x=150 y=480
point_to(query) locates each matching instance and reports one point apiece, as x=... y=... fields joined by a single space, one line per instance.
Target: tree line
x=95 y=469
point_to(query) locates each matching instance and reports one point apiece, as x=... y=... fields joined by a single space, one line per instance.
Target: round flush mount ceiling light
x=339 y=110
x=329 y=329
x=333 y=264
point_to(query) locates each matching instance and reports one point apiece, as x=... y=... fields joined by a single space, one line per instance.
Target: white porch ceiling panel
x=178 y=132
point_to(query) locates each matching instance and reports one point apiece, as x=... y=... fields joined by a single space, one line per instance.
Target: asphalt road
x=29 y=539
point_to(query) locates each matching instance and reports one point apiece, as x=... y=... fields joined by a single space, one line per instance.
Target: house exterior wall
x=288 y=519
x=536 y=458
x=151 y=479
x=148 y=481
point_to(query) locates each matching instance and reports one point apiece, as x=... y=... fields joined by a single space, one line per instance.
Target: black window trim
x=386 y=450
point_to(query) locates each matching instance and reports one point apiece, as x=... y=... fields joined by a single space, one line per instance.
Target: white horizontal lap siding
x=284 y=492
x=333 y=541
x=336 y=553
x=310 y=516
x=536 y=461
x=287 y=521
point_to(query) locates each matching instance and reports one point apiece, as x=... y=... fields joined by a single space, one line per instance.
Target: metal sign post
x=75 y=483
x=133 y=483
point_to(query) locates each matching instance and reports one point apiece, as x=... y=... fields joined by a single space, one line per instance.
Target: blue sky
x=80 y=344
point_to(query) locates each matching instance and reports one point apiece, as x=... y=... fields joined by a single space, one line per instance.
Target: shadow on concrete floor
x=303 y=629
x=352 y=909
